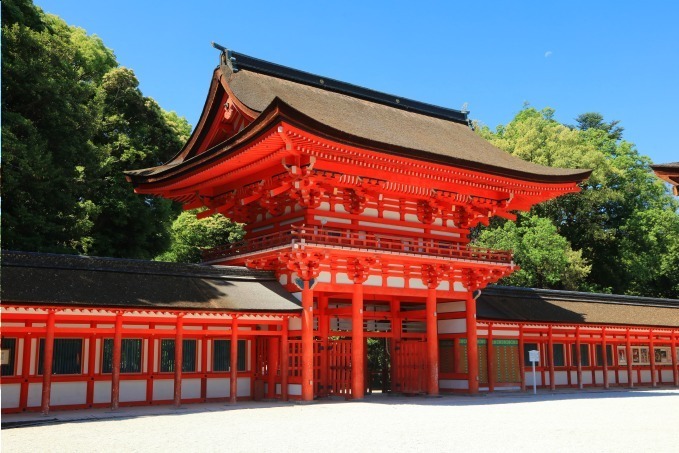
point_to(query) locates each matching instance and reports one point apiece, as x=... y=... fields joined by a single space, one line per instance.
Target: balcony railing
x=357 y=240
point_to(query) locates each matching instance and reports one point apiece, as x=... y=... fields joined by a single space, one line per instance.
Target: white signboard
x=533 y=356
x=4 y=357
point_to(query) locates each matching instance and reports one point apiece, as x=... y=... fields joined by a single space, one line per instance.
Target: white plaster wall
x=411 y=218
x=218 y=387
x=295 y=389
x=278 y=389
x=391 y=215
x=102 y=391
x=611 y=378
x=243 y=386
x=454 y=384
x=163 y=389
x=599 y=377
x=190 y=388
x=34 y=353
x=667 y=376
x=324 y=277
x=370 y=212
x=34 y=394
x=395 y=282
x=416 y=283
x=450 y=307
x=68 y=393
x=132 y=391
x=458 y=286
x=294 y=323
x=373 y=280
x=538 y=378
x=561 y=377
x=283 y=279
x=452 y=325
x=10 y=395
x=646 y=376
x=587 y=378
x=20 y=357
x=391 y=227
x=622 y=376
x=342 y=277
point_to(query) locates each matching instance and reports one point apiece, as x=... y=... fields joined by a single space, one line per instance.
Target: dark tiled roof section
x=672 y=165
x=537 y=305
x=380 y=123
x=37 y=278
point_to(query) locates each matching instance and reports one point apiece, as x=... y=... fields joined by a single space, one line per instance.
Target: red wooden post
x=272 y=365
x=285 y=349
x=395 y=341
x=651 y=353
x=491 y=359
x=630 y=377
x=233 y=365
x=203 y=366
x=604 y=356
x=91 y=360
x=25 y=370
x=115 y=369
x=550 y=355
x=47 y=363
x=472 y=346
x=357 y=370
x=578 y=355
x=673 y=350
x=307 y=342
x=150 y=363
x=522 y=363
x=324 y=332
x=178 y=359
x=433 y=341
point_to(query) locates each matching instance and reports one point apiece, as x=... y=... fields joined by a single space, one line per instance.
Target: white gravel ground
x=615 y=421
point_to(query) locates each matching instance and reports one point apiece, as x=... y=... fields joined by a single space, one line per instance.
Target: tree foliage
x=190 y=236
x=72 y=121
x=621 y=221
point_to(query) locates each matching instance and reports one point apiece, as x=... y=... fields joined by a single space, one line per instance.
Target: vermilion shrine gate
x=361 y=203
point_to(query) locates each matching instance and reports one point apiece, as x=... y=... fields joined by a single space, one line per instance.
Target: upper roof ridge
x=237 y=61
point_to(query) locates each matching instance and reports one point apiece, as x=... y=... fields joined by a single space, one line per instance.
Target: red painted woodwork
x=115 y=373
x=233 y=364
x=432 y=340
x=472 y=346
x=357 y=340
x=410 y=366
x=178 y=360
x=340 y=359
x=47 y=363
x=307 y=342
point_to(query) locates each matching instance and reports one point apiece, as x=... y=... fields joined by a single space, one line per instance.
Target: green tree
x=190 y=236
x=545 y=257
x=72 y=121
x=600 y=220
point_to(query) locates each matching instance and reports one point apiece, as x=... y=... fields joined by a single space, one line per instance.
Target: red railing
x=358 y=240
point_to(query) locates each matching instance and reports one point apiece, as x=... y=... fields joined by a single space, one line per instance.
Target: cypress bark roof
x=365 y=118
x=48 y=279
x=539 y=305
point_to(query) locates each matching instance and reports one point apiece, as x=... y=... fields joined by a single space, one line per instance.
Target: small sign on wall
x=4 y=357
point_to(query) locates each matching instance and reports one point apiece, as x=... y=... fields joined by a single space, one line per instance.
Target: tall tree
x=602 y=221
x=72 y=120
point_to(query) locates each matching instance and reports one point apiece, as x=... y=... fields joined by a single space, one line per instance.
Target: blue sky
x=618 y=58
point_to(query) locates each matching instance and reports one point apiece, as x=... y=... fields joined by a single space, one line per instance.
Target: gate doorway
x=379 y=365
x=410 y=367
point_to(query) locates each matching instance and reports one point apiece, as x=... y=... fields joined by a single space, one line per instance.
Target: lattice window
x=221 y=355
x=130 y=356
x=66 y=356
x=167 y=356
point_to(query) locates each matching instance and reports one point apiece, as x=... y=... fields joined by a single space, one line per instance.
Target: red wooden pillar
x=604 y=356
x=395 y=342
x=522 y=363
x=272 y=365
x=285 y=349
x=433 y=342
x=550 y=355
x=324 y=332
x=91 y=360
x=357 y=336
x=233 y=365
x=472 y=346
x=673 y=350
x=203 y=366
x=578 y=355
x=307 y=342
x=628 y=345
x=115 y=369
x=25 y=370
x=150 y=362
x=178 y=359
x=491 y=359
x=47 y=363
x=651 y=353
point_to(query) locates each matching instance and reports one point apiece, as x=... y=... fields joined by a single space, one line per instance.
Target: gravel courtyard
x=616 y=421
